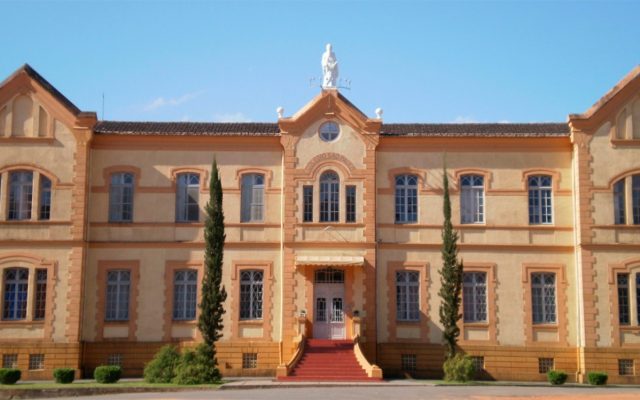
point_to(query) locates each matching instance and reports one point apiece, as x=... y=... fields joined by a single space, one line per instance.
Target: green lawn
x=92 y=385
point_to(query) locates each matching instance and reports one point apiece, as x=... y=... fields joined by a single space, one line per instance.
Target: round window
x=329 y=131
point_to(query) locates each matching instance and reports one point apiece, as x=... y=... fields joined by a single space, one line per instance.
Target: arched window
x=252 y=198
x=620 y=198
x=635 y=198
x=406 y=198
x=16 y=281
x=121 y=197
x=540 y=203
x=187 y=196
x=20 y=195
x=619 y=207
x=251 y=294
x=185 y=294
x=471 y=199
x=329 y=197
x=44 y=208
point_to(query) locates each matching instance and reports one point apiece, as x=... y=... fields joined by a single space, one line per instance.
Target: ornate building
x=333 y=223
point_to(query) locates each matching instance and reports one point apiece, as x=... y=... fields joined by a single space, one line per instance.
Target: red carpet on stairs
x=328 y=360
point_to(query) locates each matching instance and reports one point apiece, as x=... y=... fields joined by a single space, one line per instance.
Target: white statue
x=329 y=68
x=280 y=111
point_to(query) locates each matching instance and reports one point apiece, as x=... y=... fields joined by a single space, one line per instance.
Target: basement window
x=249 y=360
x=115 y=359
x=9 y=361
x=545 y=365
x=625 y=367
x=36 y=362
x=478 y=363
x=408 y=362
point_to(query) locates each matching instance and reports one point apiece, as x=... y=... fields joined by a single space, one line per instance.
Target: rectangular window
x=543 y=296
x=545 y=365
x=251 y=294
x=252 y=197
x=351 y=203
x=249 y=360
x=625 y=367
x=45 y=198
x=36 y=361
x=16 y=282
x=187 y=198
x=638 y=297
x=619 y=214
x=307 y=201
x=635 y=198
x=407 y=295
x=117 y=301
x=623 y=299
x=474 y=296
x=406 y=199
x=329 y=197
x=121 y=197
x=9 y=361
x=185 y=294
x=408 y=362
x=478 y=363
x=114 y=359
x=20 y=195
x=472 y=199
x=40 y=304
x=540 y=200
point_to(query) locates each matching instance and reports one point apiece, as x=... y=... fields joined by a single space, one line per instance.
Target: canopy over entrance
x=329 y=261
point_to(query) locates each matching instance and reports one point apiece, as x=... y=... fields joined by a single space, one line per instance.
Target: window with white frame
x=185 y=283
x=44 y=207
x=543 y=297
x=408 y=295
x=121 y=197
x=20 y=195
x=187 y=197
x=117 y=295
x=540 y=199
x=472 y=199
x=474 y=296
x=329 y=197
x=251 y=289
x=406 y=198
x=252 y=198
x=16 y=282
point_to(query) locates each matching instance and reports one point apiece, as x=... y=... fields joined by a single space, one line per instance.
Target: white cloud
x=231 y=117
x=464 y=119
x=504 y=121
x=171 y=102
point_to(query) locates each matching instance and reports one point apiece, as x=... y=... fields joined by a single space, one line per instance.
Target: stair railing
x=299 y=342
x=372 y=370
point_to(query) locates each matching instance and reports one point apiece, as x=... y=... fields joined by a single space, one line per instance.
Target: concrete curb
x=13 y=394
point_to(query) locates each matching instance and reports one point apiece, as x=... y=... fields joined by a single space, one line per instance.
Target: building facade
x=333 y=223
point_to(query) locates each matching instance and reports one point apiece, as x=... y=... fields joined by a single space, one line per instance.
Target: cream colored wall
x=348 y=144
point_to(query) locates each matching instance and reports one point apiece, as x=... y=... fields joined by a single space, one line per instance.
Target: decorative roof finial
x=329 y=69
x=280 y=111
x=379 y=112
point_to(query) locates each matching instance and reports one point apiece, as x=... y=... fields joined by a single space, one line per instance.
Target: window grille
x=9 y=361
x=185 y=294
x=45 y=198
x=619 y=211
x=251 y=294
x=625 y=367
x=472 y=199
x=249 y=360
x=36 y=361
x=478 y=363
x=407 y=295
x=20 y=195
x=307 y=199
x=351 y=203
x=474 y=296
x=406 y=199
x=329 y=197
x=187 y=198
x=545 y=365
x=16 y=281
x=121 y=197
x=252 y=197
x=329 y=275
x=635 y=198
x=114 y=359
x=40 y=304
x=118 y=288
x=408 y=362
x=623 y=299
x=540 y=200
x=543 y=293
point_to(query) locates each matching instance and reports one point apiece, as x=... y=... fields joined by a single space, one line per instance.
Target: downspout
x=575 y=175
x=282 y=266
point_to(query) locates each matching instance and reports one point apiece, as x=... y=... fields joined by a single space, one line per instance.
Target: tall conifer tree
x=213 y=292
x=450 y=277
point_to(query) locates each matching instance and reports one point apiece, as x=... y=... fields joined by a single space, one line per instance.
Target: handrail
x=297 y=354
x=372 y=370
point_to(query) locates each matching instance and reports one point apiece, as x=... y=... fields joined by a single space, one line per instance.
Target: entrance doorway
x=328 y=292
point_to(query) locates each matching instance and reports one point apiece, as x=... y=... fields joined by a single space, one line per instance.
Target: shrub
x=9 y=376
x=107 y=374
x=597 y=378
x=162 y=368
x=459 y=368
x=197 y=367
x=64 y=375
x=556 y=377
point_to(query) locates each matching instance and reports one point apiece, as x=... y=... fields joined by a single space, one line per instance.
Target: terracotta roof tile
x=187 y=128
x=484 y=130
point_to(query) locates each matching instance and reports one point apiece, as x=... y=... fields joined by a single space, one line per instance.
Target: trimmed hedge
x=556 y=377
x=597 y=378
x=460 y=368
x=64 y=375
x=107 y=374
x=9 y=376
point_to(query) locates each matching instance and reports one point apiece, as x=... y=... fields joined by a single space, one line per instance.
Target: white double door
x=328 y=322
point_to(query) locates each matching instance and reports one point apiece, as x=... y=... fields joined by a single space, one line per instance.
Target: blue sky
x=238 y=61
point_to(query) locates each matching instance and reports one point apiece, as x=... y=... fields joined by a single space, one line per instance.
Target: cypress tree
x=450 y=277
x=213 y=292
